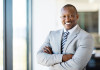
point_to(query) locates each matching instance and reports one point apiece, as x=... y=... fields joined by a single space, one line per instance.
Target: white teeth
x=68 y=23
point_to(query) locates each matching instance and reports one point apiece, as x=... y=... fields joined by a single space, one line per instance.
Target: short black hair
x=70 y=5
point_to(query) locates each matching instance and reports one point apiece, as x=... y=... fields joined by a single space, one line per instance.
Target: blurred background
x=28 y=23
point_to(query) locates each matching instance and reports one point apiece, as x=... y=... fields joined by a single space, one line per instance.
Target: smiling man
x=69 y=48
x=69 y=16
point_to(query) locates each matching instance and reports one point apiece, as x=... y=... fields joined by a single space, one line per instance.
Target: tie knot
x=66 y=33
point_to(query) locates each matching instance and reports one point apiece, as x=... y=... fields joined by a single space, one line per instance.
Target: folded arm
x=65 y=57
x=48 y=59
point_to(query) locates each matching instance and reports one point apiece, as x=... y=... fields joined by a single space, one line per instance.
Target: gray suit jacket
x=80 y=43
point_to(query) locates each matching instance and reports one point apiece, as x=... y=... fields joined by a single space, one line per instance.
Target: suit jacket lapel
x=72 y=37
x=58 y=40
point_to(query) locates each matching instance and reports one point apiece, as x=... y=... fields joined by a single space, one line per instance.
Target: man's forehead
x=68 y=9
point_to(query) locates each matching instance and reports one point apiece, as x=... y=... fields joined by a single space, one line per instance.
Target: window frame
x=7 y=35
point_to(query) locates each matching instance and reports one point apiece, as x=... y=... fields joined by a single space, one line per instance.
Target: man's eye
x=64 y=16
x=71 y=15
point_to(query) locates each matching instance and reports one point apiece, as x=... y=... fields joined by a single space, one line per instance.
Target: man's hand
x=66 y=57
x=48 y=50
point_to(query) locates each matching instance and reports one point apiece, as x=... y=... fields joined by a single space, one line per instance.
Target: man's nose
x=67 y=19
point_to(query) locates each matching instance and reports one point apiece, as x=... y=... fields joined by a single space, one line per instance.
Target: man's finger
x=45 y=50
x=49 y=49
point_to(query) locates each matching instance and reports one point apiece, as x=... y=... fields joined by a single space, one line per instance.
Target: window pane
x=1 y=34
x=89 y=21
x=19 y=35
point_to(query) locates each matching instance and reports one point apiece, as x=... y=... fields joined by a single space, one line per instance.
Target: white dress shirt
x=71 y=30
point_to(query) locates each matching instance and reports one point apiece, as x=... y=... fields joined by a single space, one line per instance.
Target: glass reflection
x=1 y=34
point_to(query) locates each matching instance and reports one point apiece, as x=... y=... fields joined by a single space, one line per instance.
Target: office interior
x=25 y=24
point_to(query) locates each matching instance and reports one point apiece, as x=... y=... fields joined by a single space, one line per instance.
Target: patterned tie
x=64 y=39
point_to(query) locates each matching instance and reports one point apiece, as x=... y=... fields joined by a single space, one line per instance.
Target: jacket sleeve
x=48 y=59
x=81 y=56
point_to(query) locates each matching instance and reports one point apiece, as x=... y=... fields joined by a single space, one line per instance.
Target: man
x=69 y=48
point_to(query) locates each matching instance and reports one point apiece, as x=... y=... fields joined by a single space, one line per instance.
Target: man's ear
x=77 y=16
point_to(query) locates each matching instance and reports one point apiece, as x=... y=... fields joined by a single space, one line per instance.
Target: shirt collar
x=71 y=30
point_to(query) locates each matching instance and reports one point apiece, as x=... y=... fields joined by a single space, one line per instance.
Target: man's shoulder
x=56 y=31
x=85 y=34
x=81 y=31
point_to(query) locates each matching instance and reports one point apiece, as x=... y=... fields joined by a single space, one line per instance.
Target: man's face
x=69 y=17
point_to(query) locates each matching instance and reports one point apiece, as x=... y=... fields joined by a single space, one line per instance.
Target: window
x=89 y=21
x=19 y=35
x=15 y=29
